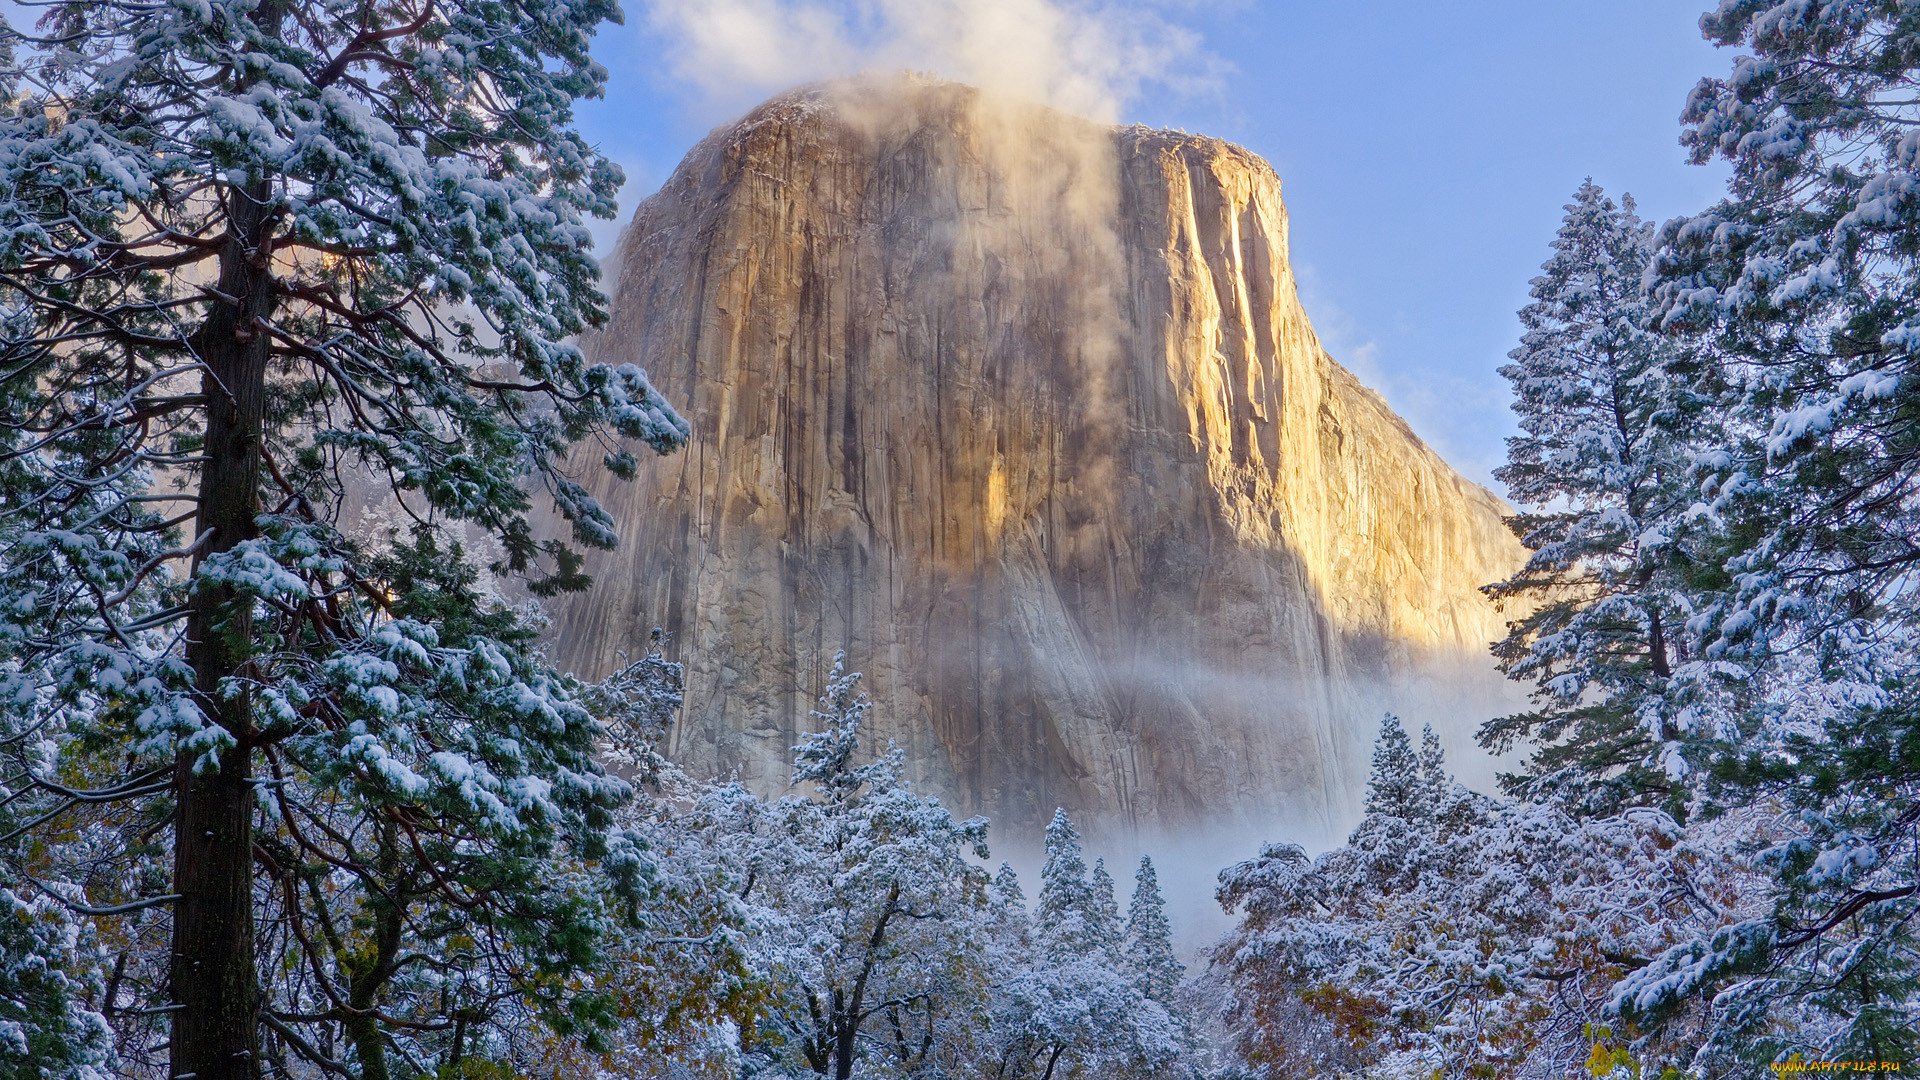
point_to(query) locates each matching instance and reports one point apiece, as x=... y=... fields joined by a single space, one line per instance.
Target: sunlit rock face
x=1023 y=412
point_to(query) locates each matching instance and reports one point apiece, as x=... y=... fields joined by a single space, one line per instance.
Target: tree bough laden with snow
x=861 y=909
x=1606 y=406
x=1455 y=935
x=1076 y=1004
x=1806 y=279
x=261 y=261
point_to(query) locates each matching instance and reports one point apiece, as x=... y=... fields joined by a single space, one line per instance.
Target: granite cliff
x=1023 y=412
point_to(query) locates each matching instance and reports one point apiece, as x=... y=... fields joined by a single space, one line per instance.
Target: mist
x=1091 y=59
x=1450 y=694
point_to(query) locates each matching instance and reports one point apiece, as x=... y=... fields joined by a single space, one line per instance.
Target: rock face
x=1023 y=412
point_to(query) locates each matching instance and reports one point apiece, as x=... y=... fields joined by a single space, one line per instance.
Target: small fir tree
x=1393 y=782
x=1150 y=952
x=1076 y=1006
x=1104 y=914
x=1434 y=779
x=1005 y=892
x=1066 y=916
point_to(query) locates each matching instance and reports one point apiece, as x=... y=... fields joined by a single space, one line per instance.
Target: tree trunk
x=1657 y=640
x=843 y=1028
x=215 y=1021
x=845 y=1036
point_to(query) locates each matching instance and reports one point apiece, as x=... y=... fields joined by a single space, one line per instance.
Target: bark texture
x=1023 y=412
x=214 y=1033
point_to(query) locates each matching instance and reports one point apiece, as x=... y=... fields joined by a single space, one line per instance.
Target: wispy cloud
x=1090 y=58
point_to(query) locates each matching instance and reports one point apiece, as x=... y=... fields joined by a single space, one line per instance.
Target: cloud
x=1090 y=58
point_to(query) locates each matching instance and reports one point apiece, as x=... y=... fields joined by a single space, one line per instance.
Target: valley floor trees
x=1458 y=935
x=868 y=940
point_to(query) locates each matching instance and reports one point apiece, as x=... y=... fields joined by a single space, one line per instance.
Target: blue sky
x=1425 y=149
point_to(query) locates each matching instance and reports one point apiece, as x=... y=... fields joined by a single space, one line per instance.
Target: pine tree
x=1065 y=913
x=825 y=758
x=1005 y=891
x=1393 y=782
x=50 y=1021
x=1434 y=779
x=1150 y=952
x=1104 y=911
x=262 y=261
x=1599 y=465
x=1487 y=947
x=1806 y=279
x=1077 y=1006
x=1011 y=926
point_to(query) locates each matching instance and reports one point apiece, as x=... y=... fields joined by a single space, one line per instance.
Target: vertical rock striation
x=1023 y=412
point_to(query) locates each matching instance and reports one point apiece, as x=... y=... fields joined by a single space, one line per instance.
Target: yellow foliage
x=1607 y=1060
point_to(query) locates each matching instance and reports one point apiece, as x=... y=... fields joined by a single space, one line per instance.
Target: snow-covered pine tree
x=260 y=261
x=1073 y=1007
x=1597 y=466
x=1010 y=926
x=1066 y=898
x=1433 y=776
x=825 y=757
x=1474 y=938
x=51 y=988
x=1806 y=278
x=1150 y=953
x=1393 y=781
x=1005 y=890
x=638 y=703
x=1104 y=918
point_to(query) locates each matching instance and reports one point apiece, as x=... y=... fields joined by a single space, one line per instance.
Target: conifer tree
x=50 y=1022
x=1393 y=782
x=1806 y=279
x=1009 y=925
x=1005 y=889
x=1598 y=465
x=1433 y=769
x=1104 y=913
x=1150 y=952
x=1066 y=912
x=825 y=758
x=1076 y=1007
x=263 y=262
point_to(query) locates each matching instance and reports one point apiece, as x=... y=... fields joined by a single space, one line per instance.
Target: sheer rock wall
x=1023 y=412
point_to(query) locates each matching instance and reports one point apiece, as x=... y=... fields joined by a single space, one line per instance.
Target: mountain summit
x=1022 y=411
